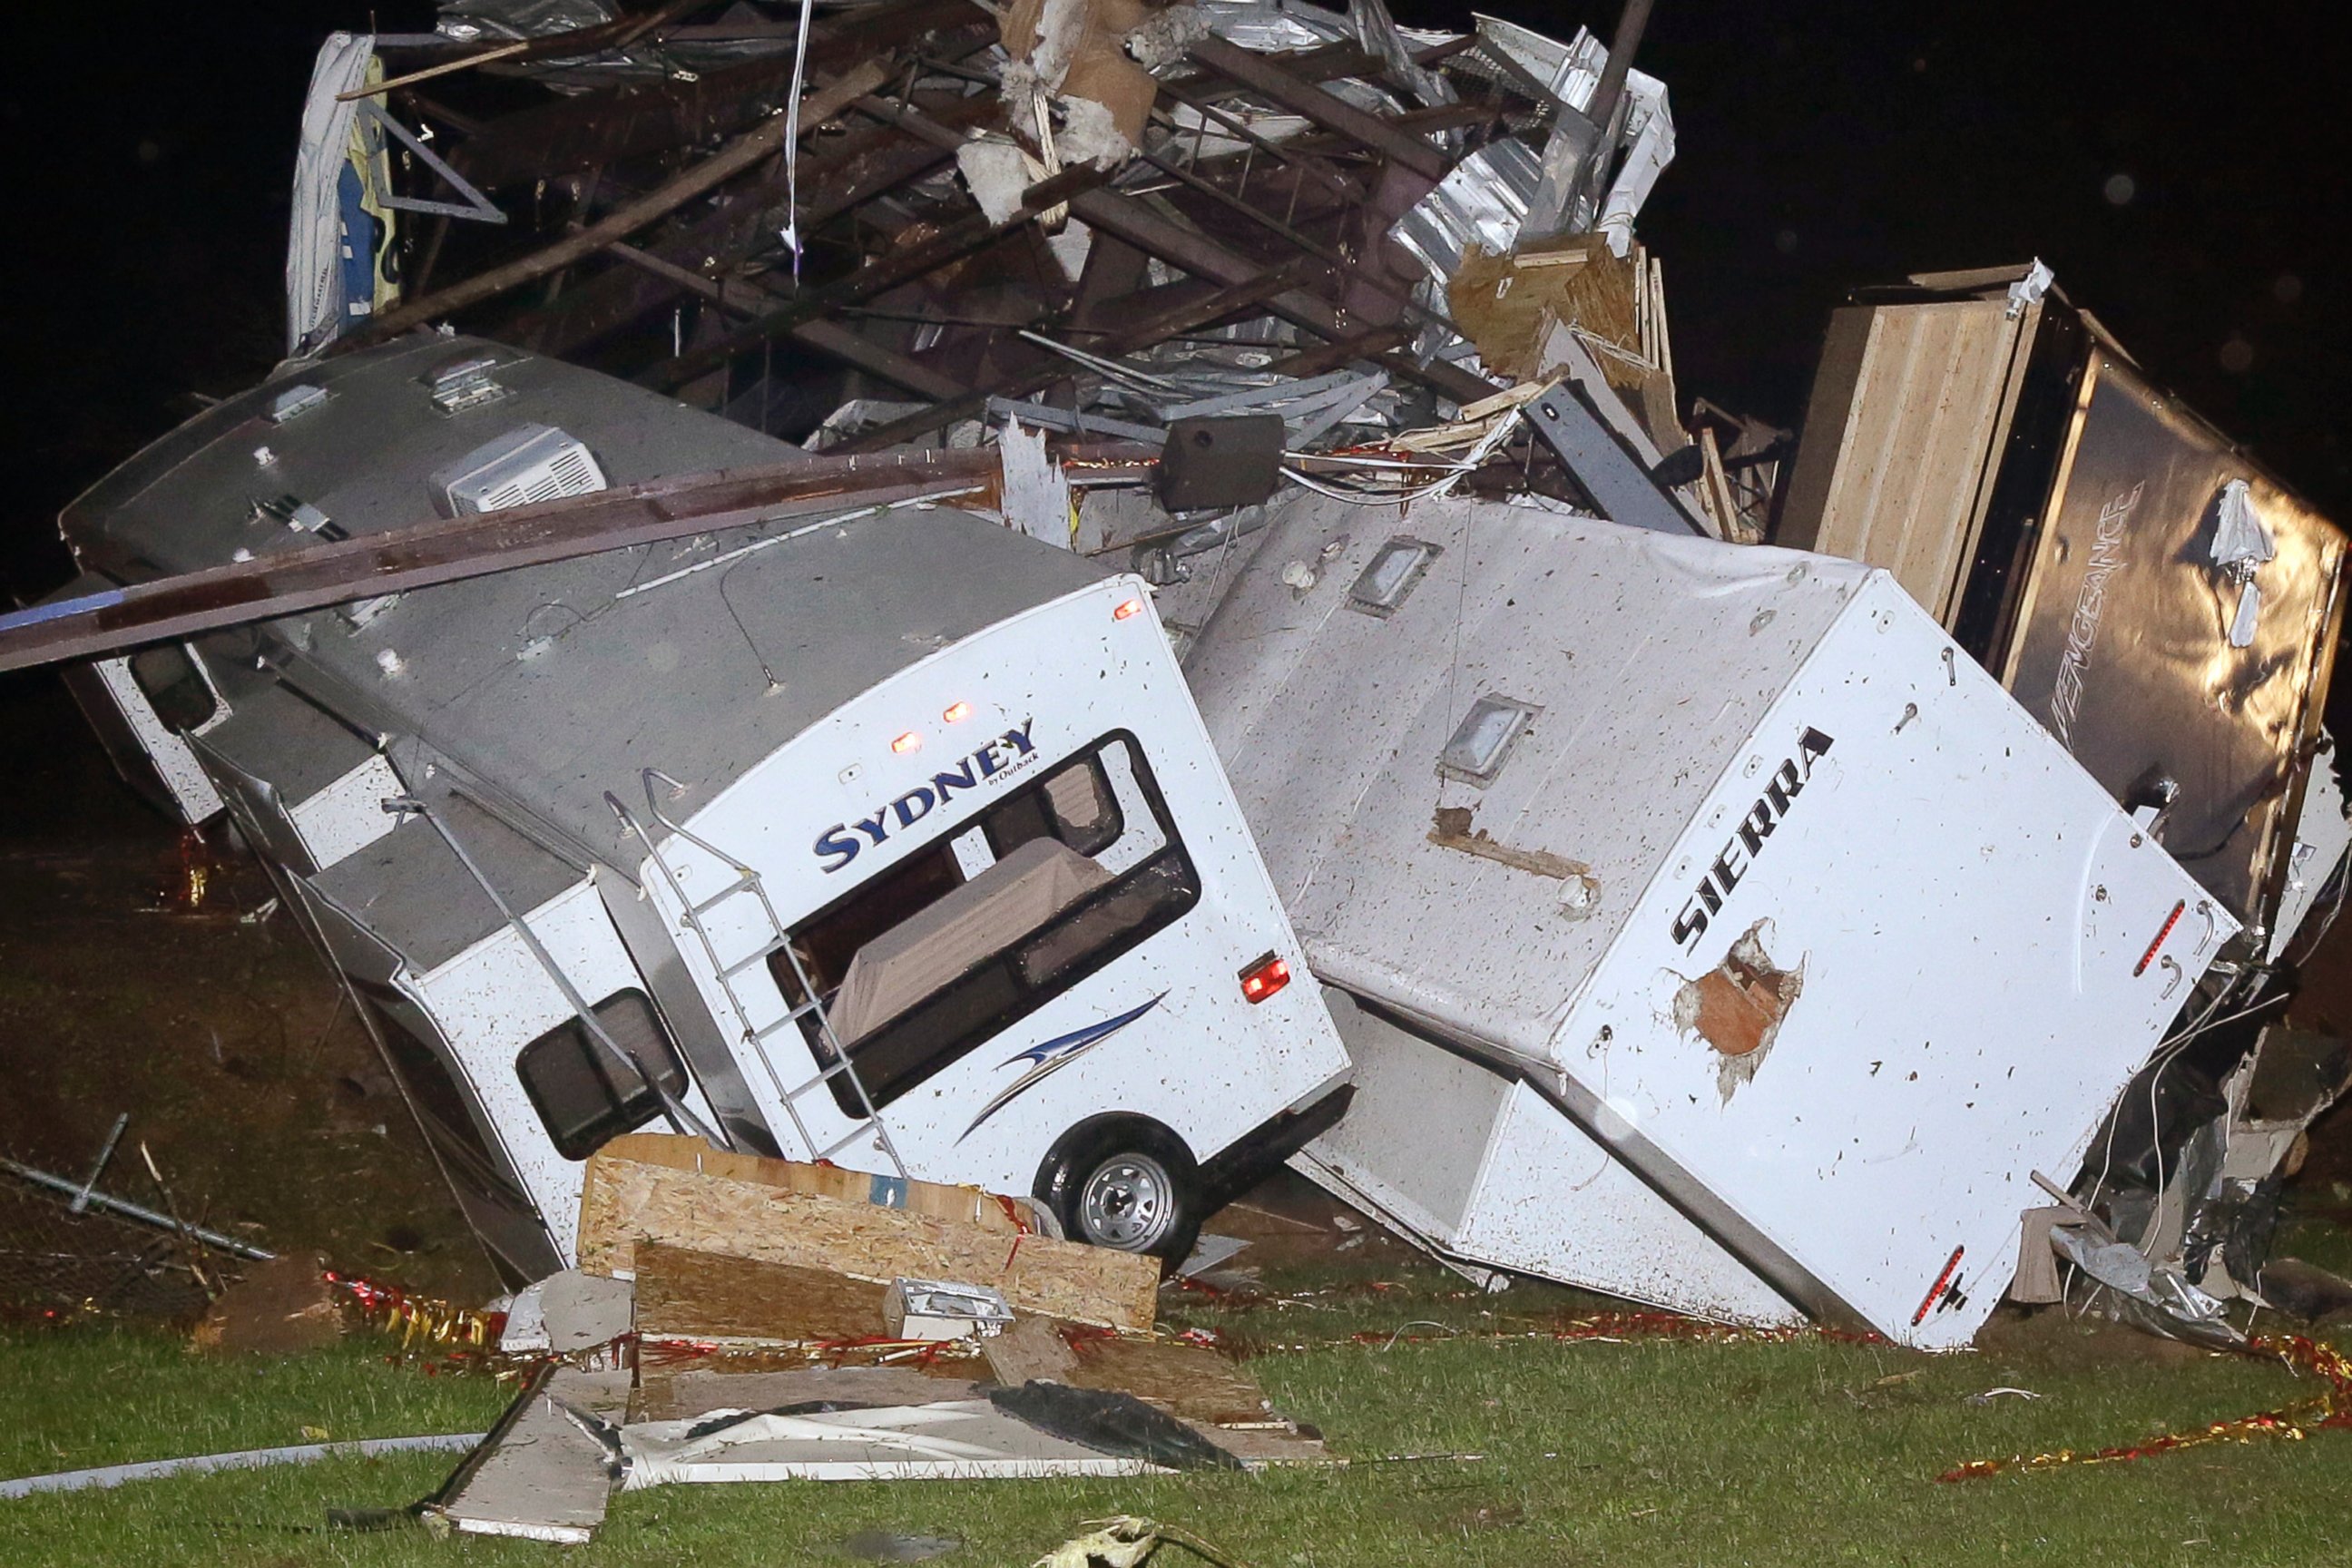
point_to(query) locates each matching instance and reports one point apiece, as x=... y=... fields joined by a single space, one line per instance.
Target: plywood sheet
x=1188 y=1381
x=970 y=1205
x=685 y=1294
x=1509 y=304
x=626 y=1200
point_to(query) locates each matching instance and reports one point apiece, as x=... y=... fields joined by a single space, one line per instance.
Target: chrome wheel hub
x=1130 y=1202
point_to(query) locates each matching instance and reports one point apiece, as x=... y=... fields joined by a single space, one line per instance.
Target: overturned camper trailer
x=2158 y=602
x=892 y=838
x=1706 y=927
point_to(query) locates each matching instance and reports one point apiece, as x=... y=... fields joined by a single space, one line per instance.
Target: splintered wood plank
x=1031 y=1348
x=625 y=1201
x=689 y=1295
x=1189 y=1380
x=681 y=1396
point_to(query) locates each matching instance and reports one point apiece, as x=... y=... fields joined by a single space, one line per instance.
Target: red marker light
x=2149 y=956
x=1263 y=978
x=957 y=712
x=1935 y=1292
x=909 y=741
x=1130 y=607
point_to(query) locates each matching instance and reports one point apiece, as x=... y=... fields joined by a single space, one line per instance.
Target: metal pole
x=81 y=1198
x=1569 y=161
x=1630 y=23
x=69 y=1187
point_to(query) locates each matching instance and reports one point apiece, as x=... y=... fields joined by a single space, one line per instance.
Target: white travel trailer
x=1705 y=928
x=893 y=839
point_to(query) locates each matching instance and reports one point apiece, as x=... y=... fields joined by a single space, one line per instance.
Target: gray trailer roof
x=544 y=685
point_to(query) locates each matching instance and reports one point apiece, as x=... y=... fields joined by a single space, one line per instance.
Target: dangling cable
x=793 y=140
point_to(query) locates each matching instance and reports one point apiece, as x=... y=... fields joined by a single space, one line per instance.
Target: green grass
x=1653 y=1452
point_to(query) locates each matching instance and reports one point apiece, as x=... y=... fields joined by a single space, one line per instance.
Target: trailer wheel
x=1126 y=1184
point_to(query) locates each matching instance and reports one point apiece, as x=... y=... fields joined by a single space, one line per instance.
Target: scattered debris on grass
x=2291 y=1423
x=1125 y=1541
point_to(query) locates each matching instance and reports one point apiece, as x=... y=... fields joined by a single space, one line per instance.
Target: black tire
x=1124 y=1182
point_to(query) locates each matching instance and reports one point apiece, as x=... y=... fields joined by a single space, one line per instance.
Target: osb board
x=1508 y=304
x=967 y=1204
x=683 y=1294
x=1189 y=1380
x=679 y=1396
x=626 y=1200
x=1030 y=1348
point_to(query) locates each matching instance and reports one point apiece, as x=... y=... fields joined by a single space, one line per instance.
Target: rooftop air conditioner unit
x=527 y=464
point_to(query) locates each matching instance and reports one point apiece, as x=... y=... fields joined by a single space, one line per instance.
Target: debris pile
x=1099 y=217
x=1654 y=799
x=691 y=1348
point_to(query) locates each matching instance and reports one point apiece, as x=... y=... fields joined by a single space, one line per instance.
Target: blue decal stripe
x=1079 y=1038
x=1054 y=1056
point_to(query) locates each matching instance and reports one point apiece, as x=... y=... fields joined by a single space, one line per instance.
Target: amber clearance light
x=1263 y=978
x=1128 y=607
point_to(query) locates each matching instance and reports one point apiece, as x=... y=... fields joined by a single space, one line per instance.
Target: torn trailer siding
x=1762 y=758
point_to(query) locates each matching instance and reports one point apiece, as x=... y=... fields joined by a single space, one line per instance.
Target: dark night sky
x=2182 y=176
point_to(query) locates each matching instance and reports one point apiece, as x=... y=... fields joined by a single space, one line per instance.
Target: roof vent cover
x=529 y=464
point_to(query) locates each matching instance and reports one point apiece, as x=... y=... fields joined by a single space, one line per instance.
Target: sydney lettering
x=843 y=842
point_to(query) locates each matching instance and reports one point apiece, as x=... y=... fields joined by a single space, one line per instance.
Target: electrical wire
x=791 y=235
x=2341 y=880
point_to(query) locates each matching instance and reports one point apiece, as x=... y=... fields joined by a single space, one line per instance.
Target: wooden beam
x=883 y=272
x=305 y=577
x=1261 y=74
x=637 y=117
x=664 y=199
x=856 y=349
x=826 y=337
x=617 y=34
x=1326 y=357
x=870 y=162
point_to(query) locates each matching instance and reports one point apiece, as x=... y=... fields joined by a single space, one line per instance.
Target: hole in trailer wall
x=1737 y=1007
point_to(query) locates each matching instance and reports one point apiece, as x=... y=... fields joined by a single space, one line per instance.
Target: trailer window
x=584 y=1097
x=440 y=1105
x=942 y=951
x=167 y=675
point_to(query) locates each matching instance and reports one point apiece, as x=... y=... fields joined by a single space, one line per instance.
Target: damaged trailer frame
x=890 y=837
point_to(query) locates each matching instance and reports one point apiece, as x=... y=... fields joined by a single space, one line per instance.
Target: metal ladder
x=773 y=938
